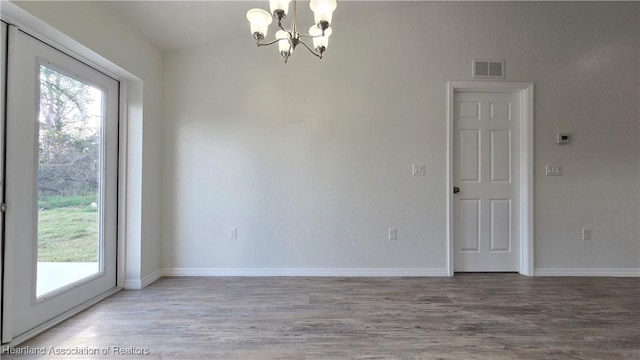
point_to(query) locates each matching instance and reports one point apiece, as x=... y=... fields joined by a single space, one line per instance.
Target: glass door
x=61 y=184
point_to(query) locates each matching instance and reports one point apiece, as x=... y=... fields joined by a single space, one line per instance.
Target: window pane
x=69 y=166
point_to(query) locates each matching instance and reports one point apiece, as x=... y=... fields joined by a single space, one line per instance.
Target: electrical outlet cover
x=553 y=170
x=418 y=169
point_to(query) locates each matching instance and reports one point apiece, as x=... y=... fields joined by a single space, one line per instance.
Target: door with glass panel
x=61 y=177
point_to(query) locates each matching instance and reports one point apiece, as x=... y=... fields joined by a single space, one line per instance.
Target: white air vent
x=488 y=68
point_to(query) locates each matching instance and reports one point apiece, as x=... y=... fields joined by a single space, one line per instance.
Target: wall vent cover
x=488 y=68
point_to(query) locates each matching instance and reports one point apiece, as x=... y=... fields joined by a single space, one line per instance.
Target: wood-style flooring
x=469 y=316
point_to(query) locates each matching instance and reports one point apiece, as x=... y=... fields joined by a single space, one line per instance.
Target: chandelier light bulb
x=259 y=21
x=283 y=43
x=323 y=12
x=320 y=42
x=279 y=8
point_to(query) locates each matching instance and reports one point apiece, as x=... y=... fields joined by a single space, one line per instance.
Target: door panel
x=61 y=183
x=470 y=155
x=500 y=156
x=469 y=225
x=486 y=170
x=500 y=225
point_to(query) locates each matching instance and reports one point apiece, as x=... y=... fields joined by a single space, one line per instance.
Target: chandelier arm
x=268 y=43
x=319 y=56
x=309 y=36
x=285 y=30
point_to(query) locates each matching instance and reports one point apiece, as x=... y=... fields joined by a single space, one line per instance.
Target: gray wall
x=312 y=160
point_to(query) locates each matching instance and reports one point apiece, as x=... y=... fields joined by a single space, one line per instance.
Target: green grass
x=48 y=202
x=68 y=234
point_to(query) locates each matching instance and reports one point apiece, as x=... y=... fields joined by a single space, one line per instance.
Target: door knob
x=456 y=189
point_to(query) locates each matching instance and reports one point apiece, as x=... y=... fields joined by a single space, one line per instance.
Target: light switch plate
x=554 y=170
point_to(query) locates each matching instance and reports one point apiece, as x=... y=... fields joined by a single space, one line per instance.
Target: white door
x=486 y=179
x=61 y=177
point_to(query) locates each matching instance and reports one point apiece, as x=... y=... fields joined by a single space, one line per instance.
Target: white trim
x=525 y=89
x=449 y=182
x=307 y=272
x=122 y=183
x=527 y=250
x=631 y=272
x=137 y=284
x=3 y=41
x=8 y=272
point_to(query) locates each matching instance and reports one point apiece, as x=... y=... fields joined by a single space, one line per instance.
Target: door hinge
x=3 y=207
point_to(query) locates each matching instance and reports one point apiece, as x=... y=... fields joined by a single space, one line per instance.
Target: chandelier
x=288 y=39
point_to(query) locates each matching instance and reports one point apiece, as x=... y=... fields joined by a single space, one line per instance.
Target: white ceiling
x=174 y=25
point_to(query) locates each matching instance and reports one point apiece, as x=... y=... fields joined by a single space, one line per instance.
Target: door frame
x=525 y=213
x=3 y=74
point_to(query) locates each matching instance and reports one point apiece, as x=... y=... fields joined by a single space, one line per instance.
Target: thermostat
x=563 y=139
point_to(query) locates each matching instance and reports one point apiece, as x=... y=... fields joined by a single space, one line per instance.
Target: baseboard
x=136 y=284
x=358 y=272
x=587 y=272
x=307 y=272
